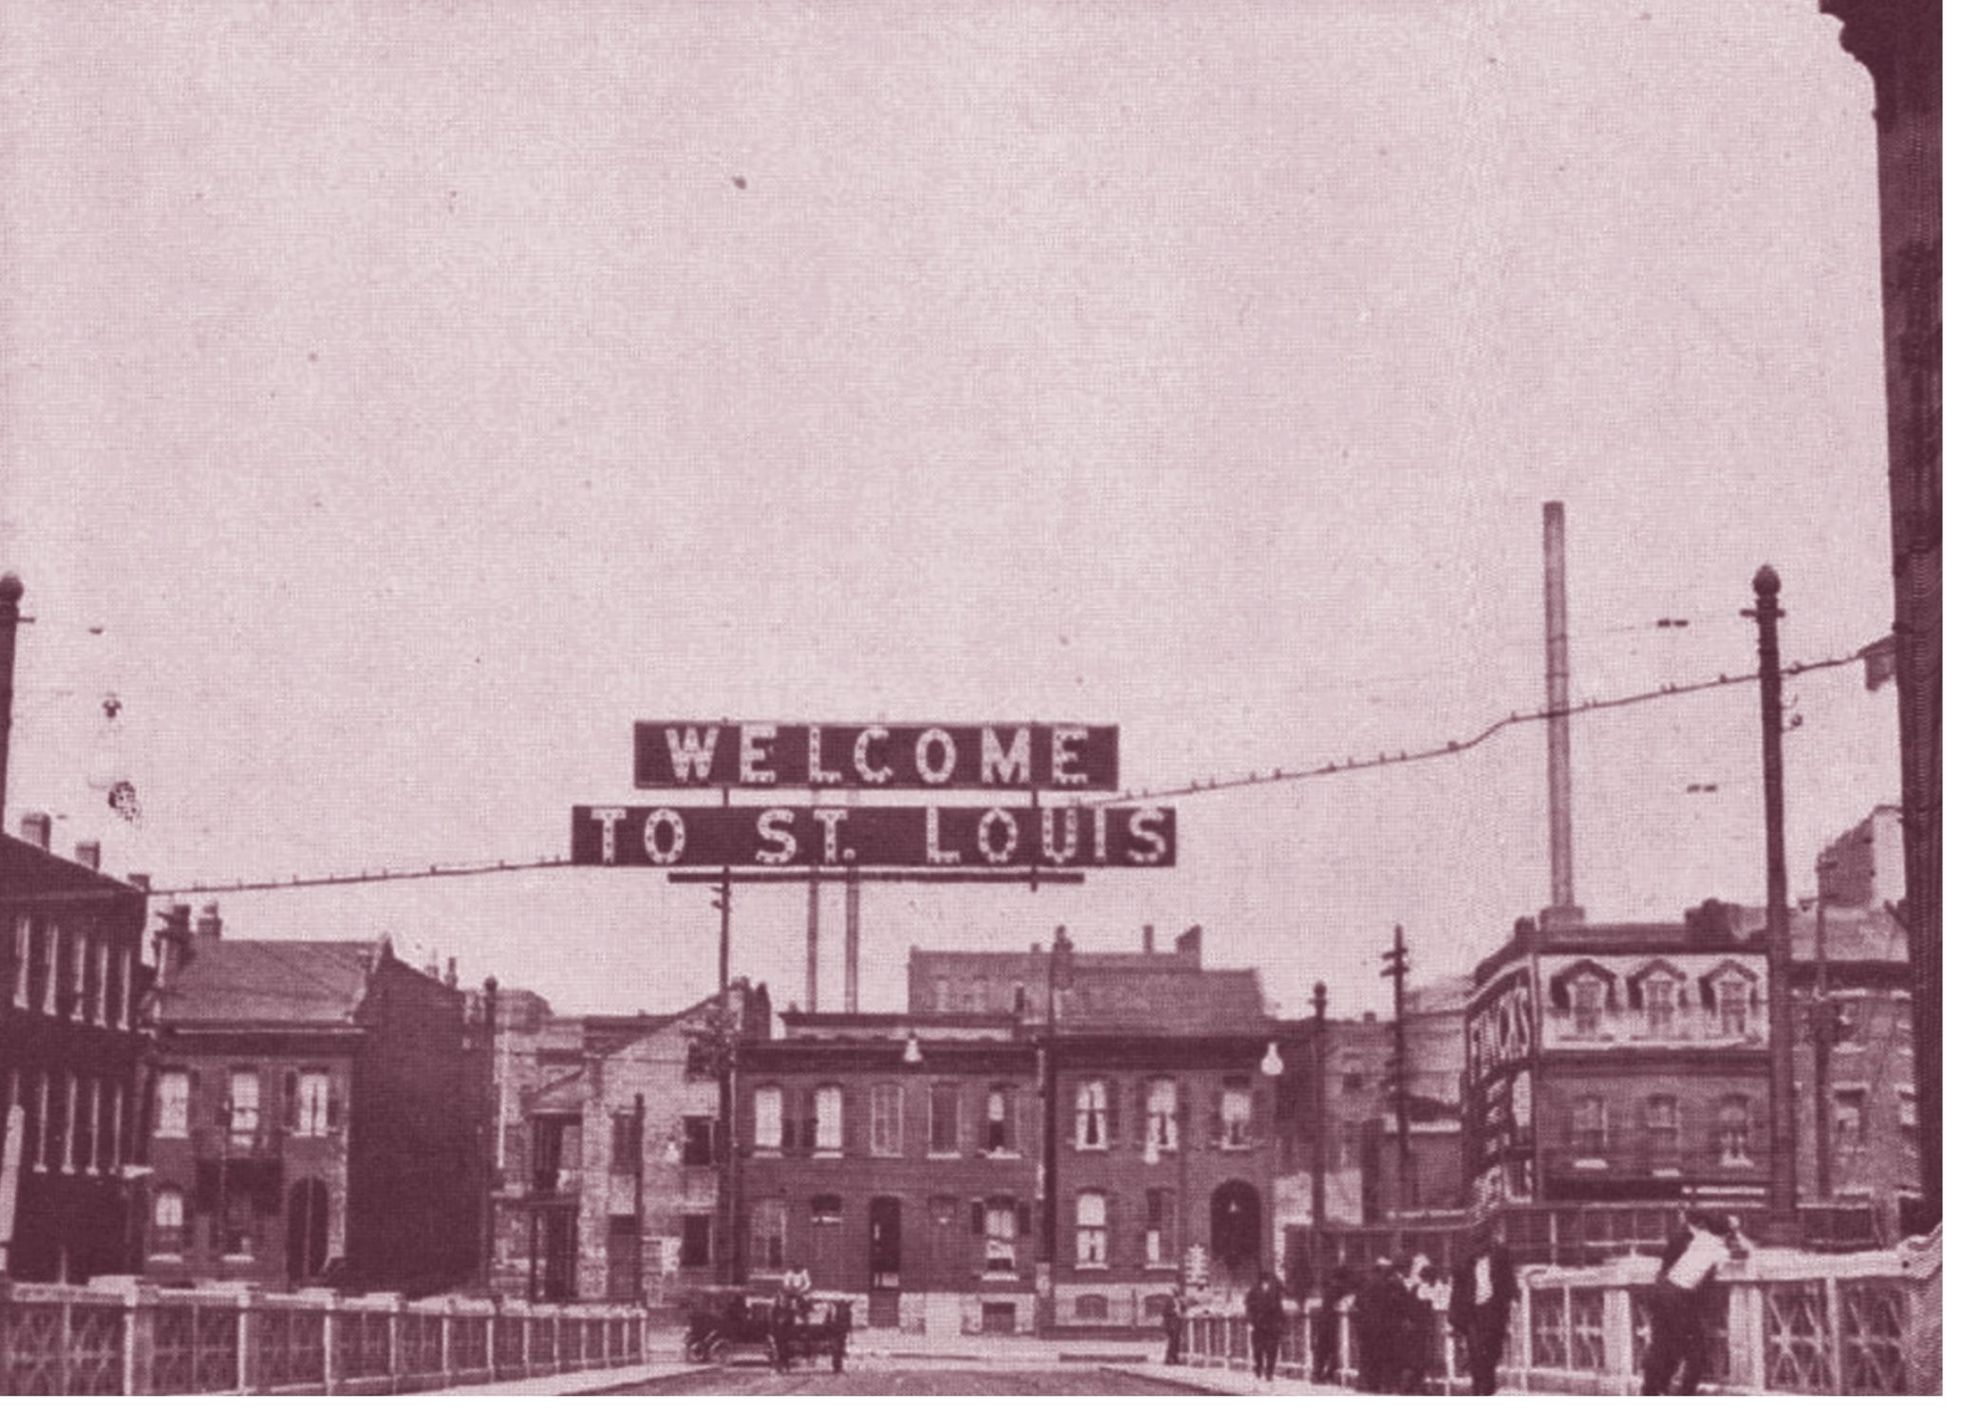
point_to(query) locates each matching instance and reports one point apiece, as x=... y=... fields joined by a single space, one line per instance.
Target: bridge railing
x=1785 y=1322
x=141 y=1339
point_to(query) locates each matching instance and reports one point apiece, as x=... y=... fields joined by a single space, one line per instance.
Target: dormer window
x=1660 y=1005
x=1587 y=993
x=1734 y=1005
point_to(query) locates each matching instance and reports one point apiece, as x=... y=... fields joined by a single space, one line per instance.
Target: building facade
x=896 y=1158
x=610 y=1155
x=315 y=1115
x=72 y=984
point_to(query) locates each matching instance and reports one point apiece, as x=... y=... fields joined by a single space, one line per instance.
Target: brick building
x=1871 y=1130
x=895 y=1158
x=608 y=1154
x=314 y=1115
x=72 y=981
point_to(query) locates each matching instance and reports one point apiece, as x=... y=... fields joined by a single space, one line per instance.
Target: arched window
x=1660 y=1120
x=1591 y=1126
x=1093 y=1308
x=1093 y=1235
x=1162 y=1115
x=1735 y=1131
x=1093 y=1114
x=828 y=1106
x=167 y=1222
x=768 y=1103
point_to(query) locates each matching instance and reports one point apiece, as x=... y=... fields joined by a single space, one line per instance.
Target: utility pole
x=640 y=1196
x=726 y=1265
x=1782 y=1228
x=488 y=1138
x=1826 y=1030
x=1318 y=1141
x=1399 y=957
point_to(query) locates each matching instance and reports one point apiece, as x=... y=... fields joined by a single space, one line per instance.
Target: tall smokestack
x=10 y=592
x=1560 y=785
x=852 y=940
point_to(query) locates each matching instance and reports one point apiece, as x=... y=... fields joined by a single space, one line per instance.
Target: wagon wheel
x=718 y=1349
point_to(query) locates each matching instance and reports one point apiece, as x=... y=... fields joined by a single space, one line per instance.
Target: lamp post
x=1826 y=1030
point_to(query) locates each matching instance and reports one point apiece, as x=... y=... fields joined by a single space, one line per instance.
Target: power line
x=1453 y=748
x=1349 y=766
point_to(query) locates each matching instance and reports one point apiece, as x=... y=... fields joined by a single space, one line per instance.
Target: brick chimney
x=36 y=828
x=211 y=927
x=1188 y=944
x=88 y=853
x=1150 y=945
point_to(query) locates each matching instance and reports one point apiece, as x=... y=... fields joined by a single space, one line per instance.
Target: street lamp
x=1271 y=1065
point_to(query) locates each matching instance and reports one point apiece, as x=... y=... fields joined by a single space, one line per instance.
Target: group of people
x=1394 y=1307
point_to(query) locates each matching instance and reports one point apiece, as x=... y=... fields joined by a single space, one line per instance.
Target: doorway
x=306 y=1230
x=883 y=1250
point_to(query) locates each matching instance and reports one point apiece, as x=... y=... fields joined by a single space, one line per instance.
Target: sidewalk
x=580 y=1381
x=1233 y=1381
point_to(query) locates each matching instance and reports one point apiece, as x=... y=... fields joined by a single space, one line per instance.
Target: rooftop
x=270 y=983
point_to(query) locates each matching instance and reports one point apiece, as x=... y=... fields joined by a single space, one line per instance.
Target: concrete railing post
x=140 y=1343
x=1750 y=1312
x=1618 y=1338
x=1830 y=1323
x=248 y=1362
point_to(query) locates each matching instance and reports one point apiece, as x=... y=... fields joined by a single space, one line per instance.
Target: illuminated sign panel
x=929 y=837
x=760 y=755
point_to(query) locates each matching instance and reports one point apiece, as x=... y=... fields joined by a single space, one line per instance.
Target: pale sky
x=415 y=395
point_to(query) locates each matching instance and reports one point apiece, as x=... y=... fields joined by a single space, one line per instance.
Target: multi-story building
x=609 y=1154
x=896 y=1159
x=72 y=980
x=1872 y=1144
x=316 y=1114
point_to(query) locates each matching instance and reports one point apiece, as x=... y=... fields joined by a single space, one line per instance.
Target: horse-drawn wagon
x=786 y=1328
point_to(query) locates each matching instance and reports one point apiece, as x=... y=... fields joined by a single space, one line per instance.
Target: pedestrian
x=1409 y=1327
x=1373 y=1321
x=1685 y=1282
x=1326 y=1327
x=1265 y=1317
x=1483 y=1292
x=1175 y=1322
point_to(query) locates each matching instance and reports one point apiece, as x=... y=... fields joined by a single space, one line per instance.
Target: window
x=768 y=1103
x=1021 y=1000
x=944 y=1119
x=1236 y=1114
x=1660 y=1005
x=311 y=1102
x=88 y=1094
x=1734 y=1005
x=245 y=1107
x=1908 y=1117
x=173 y=1104
x=695 y=1241
x=698 y=1141
x=1093 y=1114
x=58 y=1103
x=624 y=1153
x=1162 y=1115
x=1734 y=1131
x=768 y=1219
x=66 y=972
x=1001 y=1134
x=1591 y=1127
x=111 y=1137
x=828 y=1105
x=35 y=1131
x=1587 y=992
x=1352 y=1081
x=1660 y=1120
x=40 y=969
x=240 y=1222
x=1094 y=1308
x=999 y=1235
x=1158 y=1236
x=886 y=1115
x=167 y=1222
x=114 y=982
x=23 y=927
x=1850 y=1118
x=92 y=953
x=698 y=1060
x=1092 y=1233
x=941 y=994
x=828 y=1210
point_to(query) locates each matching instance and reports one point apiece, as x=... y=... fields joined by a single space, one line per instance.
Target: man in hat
x=1685 y=1283
x=1374 y=1320
x=1265 y=1317
x=1483 y=1292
